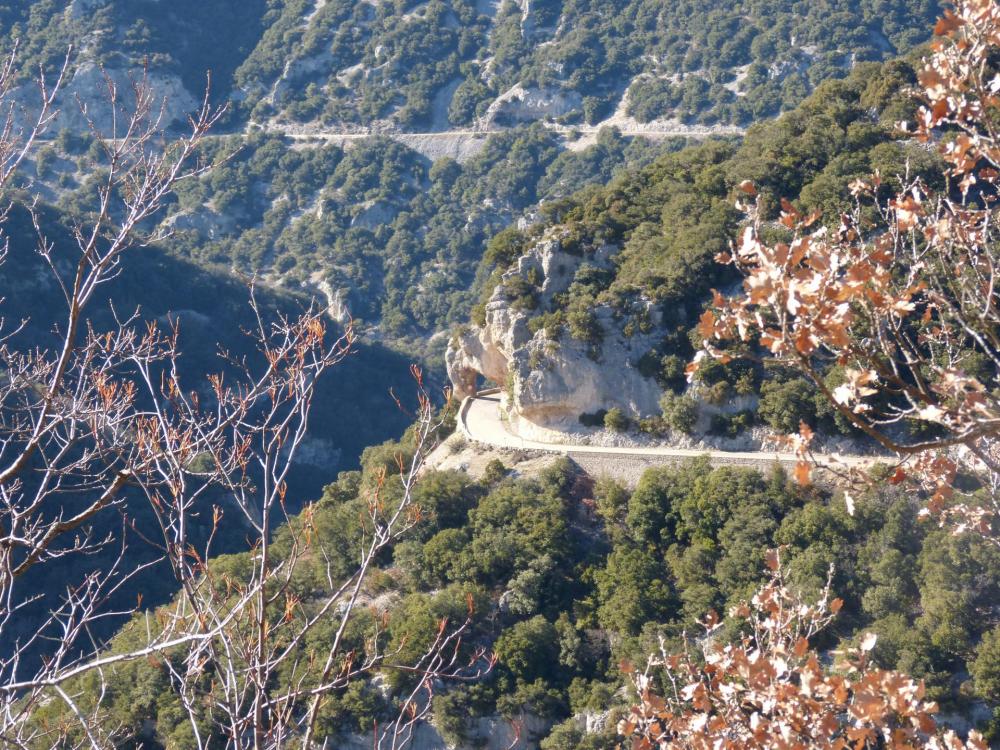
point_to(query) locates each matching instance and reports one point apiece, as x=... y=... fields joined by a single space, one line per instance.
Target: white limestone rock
x=83 y=8
x=553 y=386
x=206 y=222
x=88 y=84
x=551 y=383
x=522 y=104
x=375 y=213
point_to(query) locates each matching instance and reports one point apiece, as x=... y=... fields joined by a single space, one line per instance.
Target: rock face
x=375 y=213
x=551 y=383
x=88 y=84
x=207 y=223
x=82 y=8
x=520 y=104
x=460 y=146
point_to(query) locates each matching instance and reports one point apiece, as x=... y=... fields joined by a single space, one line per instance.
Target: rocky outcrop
x=520 y=104
x=375 y=213
x=298 y=72
x=88 y=85
x=206 y=222
x=553 y=386
x=550 y=383
x=336 y=299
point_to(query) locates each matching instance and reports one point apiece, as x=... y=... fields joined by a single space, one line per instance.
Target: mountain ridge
x=405 y=62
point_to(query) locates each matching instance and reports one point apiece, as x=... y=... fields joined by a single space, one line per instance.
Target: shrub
x=583 y=326
x=494 y=471
x=717 y=393
x=731 y=425
x=478 y=314
x=986 y=667
x=568 y=736
x=530 y=649
x=718 y=424
x=671 y=374
x=521 y=292
x=680 y=412
x=616 y=420
x=654 y=426
x=551 y=323
x=44 y=160
x=783 y=405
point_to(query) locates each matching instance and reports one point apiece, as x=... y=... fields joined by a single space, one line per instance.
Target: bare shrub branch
x=101 y=420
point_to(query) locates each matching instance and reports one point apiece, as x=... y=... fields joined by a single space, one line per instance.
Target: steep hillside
x=387 y=236
x=353 y=407
x=459 y=62
x=391 y=233
x=595 y=309
x=588 y=299
x=441 y=63
x=568 y=580
x=390 y=238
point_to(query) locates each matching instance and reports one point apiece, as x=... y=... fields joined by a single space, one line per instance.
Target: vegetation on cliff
x=404 y=595
x=669 y=221
x=396 y=237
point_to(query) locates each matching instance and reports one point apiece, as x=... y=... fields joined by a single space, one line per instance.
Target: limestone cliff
x=551 y=382
x=520 y=104
x=85 y=99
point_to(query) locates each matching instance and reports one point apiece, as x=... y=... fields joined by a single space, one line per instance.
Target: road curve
x=479 y=421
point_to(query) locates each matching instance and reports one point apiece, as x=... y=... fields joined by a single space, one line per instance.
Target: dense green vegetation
x=398 y=238
x=721 y=61
x=394 y=238
x=568 y=576
x=673 y=217
x=344 y=62
x=565 y=588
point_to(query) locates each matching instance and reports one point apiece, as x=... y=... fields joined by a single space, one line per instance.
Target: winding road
x=479 y=421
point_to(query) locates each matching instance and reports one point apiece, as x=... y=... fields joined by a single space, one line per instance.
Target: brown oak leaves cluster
x=772 y=690
x=893 y=310
x=899 y=295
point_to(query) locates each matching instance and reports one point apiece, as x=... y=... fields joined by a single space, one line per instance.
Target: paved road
x=339 y=136
x=335 y=135
x=479 y=420
x=460 y=145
